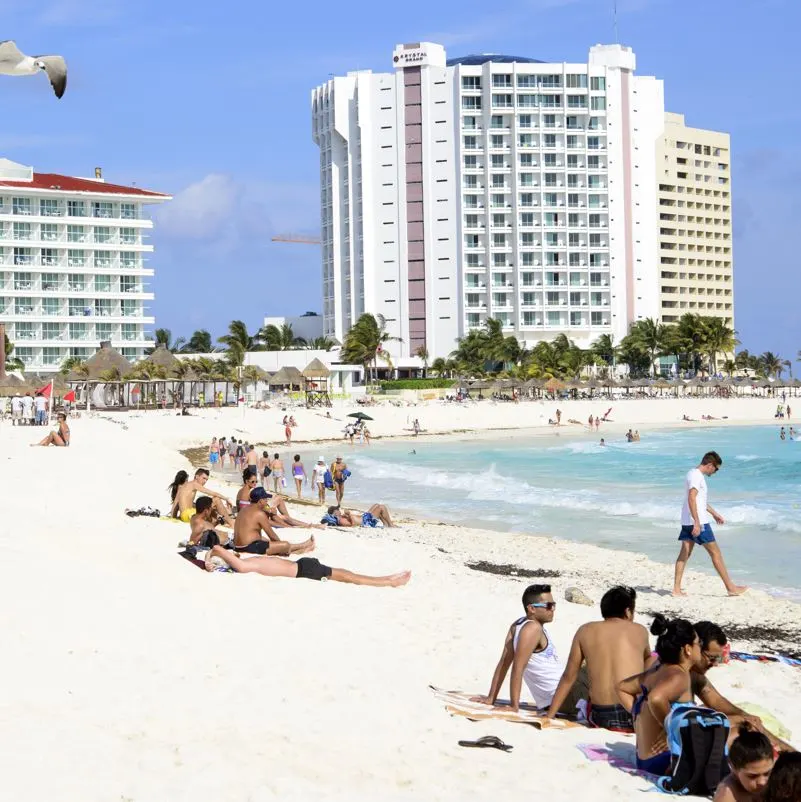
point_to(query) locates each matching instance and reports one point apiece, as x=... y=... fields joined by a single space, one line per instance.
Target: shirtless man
x=304 y=568
x=277 y=466
x=183 y=497
x=613 y=648
x=252 y=460
x=279 y=512
x=257 y=518
x=203 y=524
x=338 y=467
x=348 y=518
x=59 y=437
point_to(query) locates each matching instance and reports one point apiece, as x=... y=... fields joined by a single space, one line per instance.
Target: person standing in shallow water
x=695 y=527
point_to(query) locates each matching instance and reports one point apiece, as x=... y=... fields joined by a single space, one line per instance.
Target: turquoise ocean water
x=624 y=495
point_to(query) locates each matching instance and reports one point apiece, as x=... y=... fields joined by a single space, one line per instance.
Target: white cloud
x=81 y=12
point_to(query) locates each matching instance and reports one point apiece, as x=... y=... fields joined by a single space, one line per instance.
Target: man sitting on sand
x=531 y=655
x=183 y=492
x=203 y=525
x=304 y=568
x=378 y=512
x=257 y=518
x=613 y=648
x=280 y=514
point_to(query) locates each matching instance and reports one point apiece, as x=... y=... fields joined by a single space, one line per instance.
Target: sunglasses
x=545 y=605
x=712 y=659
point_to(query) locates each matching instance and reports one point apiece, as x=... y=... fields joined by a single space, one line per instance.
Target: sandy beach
x=131 y=675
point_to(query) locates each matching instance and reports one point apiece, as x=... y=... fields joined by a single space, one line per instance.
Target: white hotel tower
x=490 y=186
x=72 y=265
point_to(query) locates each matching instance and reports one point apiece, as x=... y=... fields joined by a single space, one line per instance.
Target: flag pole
x=50 y=402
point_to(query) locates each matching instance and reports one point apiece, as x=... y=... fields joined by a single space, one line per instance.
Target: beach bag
x=328 y=480
x=697 y=738
x=345 y=474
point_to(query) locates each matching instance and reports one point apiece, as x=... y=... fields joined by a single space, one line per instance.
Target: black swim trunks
x=610 y=717
x=256 y=547
x=312 y=568
x=208 y=539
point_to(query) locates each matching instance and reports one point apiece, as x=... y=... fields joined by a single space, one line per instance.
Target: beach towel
x=329 y=520
x=189 y=556
x=619 y=756
x=458 y=703
x=746 y=657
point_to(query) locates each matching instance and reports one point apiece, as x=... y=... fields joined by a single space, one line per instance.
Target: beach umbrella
x=554 y=385
x=359 y=416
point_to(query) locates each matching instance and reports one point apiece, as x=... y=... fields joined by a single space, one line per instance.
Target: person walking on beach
x=299 y=474
x=695 y=528
x=214 y=452
x=318 y=479
x=277 y=475
x=339 y=473
x=287 y=432
x=252 y=460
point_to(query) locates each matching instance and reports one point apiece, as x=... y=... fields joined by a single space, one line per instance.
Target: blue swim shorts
x=706 y=536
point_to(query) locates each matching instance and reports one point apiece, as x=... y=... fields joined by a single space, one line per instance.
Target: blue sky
x=210 y=102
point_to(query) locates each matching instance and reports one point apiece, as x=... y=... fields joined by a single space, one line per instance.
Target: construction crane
x=300 y=239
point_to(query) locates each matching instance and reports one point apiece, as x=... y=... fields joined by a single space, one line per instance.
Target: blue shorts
x=706 y=536
x=213 y=456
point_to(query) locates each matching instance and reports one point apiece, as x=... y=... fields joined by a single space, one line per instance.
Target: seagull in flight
x=12 y=62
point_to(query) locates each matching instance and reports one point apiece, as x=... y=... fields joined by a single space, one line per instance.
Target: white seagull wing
x=9 y=53
x=56 y=69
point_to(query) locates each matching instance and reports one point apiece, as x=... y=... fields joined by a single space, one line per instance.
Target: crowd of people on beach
x=223 y=530
x=617 y=682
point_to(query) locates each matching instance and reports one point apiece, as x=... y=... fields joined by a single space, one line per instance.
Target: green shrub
x=417 y=384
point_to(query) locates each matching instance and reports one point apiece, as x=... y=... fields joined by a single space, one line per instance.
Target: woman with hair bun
x=655 y=692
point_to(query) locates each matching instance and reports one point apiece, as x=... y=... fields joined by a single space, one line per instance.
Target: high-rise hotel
x=496 y=186
x=72 y=265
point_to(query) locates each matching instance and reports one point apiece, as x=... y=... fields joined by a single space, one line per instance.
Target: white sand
x=131 y=675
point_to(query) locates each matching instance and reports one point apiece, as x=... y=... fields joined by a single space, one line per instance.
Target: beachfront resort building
x=455 y=190
x=73 y=265
x=695 y=231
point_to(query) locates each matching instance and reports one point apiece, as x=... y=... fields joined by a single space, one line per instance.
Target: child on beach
x=751 y=761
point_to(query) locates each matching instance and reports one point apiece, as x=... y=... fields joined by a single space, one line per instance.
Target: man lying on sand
x=203 y=524
x=304 y=568
x=378 y=512
x=280 y=514
x=256 y=518
x=531 y=655
x=183 y=492
x=613 y=648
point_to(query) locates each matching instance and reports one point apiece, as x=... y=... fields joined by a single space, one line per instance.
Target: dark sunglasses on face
x=544 y=605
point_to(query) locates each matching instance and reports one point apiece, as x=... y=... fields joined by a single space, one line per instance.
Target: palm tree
x=422 y=352
x=251 y=375
x=164 y=337
x=718 y=339
x=789 y=365
x=691 y=332
x=280 y=339
x=729 y=366
x=321 y=344
x=772 y=364
x=238 y=342
x=365 y=341
x=12 y=363
x=605 y=349
x=651 y=335
x=73 y=363
x=198 y=343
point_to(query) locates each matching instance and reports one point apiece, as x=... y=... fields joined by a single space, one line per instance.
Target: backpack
x=328 y=480
x=697 y=738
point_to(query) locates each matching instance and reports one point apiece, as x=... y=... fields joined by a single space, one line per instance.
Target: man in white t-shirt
x=40 y=403
x=27 y=409
x=695 y=528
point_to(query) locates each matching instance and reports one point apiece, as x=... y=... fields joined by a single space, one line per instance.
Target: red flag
x=45 y=391
x=70 y=396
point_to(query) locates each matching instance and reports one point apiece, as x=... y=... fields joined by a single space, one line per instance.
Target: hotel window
x=502 y=101
x=593 y=143
x=595 y=260
x=80 y=353
x=526 y=81
x=595 y=221
x=471 y=82
x=551 y=219
x=598 y=103
x=48 y=207
x=552 y=298
x=572 y=142
x=23 y=306
x=103 y=283
x=23 y=281
x=131 y=309
x=497 y=201
x=104 y=331
x=549 y=160
x=76 y=208
x=77 y=282
x=129 y=331
x=572 y=181
x=102 y=234
x=471 y=260
x=103 y=259
x=75 y=258
x=574 y=260
x=527 y=101
x=129 y=284
x=79 y=331
x=470 y=162
x=471 y=241
x=102 y=209
x=527 y=239
x=526 y=199
x=572 y=124
x=575 y=319
x=471 y=201
x=499 y=221
x=549 y=121
x=471 y=221
x=573 y=161
x=527 y=259
x=76 y=234
x=554 y=319
x=551 y=239
x=598 y=84
x=596 y=318
x=50 y=282
x=51 y=306
x=593 y=162
x=496 y=141
x=549 y=141
x=525 y=140
x=549 y=199
x=526 y=179
x=577 y=101
x=22 y=231
x=594 y=181
x=498 y=181
x=594 y=124
x=77 y=308
x=499 y=260
x=573 y=200
x=499 y=240
x=470 y=181
x=471 y=103
x=551 y=101
x=129 y=353
x=502 y=81
x=470 y=143
x=550 y=81
x=49 y=257
x=550 y=179
x=524 y=121
x=527 y=219
x=595 y=240
x=24 y=331
x=21 y=206
x=127 y=259
x=23 y=256
x=48 y=232
x=51 y=331
x=104 y=308
x=128 y=211
x=51 y=356
x=573 y=240
x=469 y=123
x=498 y=121
x=497 y=160
x=576 y=81
x=573 y=220
x=527 y=160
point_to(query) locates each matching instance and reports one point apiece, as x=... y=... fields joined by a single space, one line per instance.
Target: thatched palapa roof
x=106 y=358
x=316 y=370
x=164 y=358
x=287 y=376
